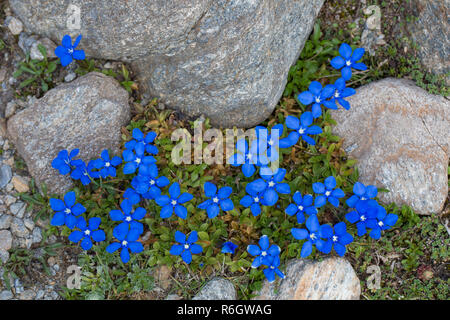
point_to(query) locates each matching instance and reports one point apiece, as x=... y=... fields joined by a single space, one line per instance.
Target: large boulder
x=330 y=279
x=400 y=135
x=87 y=113
x=227 y=60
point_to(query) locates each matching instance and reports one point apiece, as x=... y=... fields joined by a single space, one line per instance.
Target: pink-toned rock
x=330 y=279
x=400 y=135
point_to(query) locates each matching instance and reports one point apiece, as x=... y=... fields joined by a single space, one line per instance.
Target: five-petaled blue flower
x=218 y=200
x=127 y=242
x=145 y=140
x=339 y=239
x=66 y=211
x=186 y=248
x=132 y=196
x=84 y=173
x=254 y=200
x=315 y=234
x=106 y=165
x=147 y=183
x=327 y=191
x=341 y=92
x=361 y=193
x=174 y=202
x=63 y=162
x=136 y=159
x=365 y=210
x=249 y=158
x=229 y=247
x=87 y=233
x=67 y=51
x=303 y=127
x=317 y=96
x=270 y=141
x=381 y=221
x=301 y=206
x=264 y=252
x=272 y=269
x=347 y=60
x=128 y=216
x=269 y=186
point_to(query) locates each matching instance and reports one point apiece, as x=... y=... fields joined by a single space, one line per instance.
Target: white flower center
x=152 y=182
x=138 y=160
x=318 y=100
x=174 y=202
x=271 y=184
x=301 y=131
x=85 y=173
x=264 y=253
x=335 y=238
x=68 y=211
x=256 y=199
x=300 y=208
x=107 y=164
x=272 y=267
x=348 y=63
x=249 y=156
x=70 y=50
x=128 y=218
x=186 y=246
x=270 y=142
x=215 y=200
x=363 y=198
x=363 y=218
x=328 y=193
x=336 y=94
x=381 y=223
x=87 y=232
x=313 y=236
x=124 y=243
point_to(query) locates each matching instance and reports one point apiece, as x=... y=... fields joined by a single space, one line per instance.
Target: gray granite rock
x=217 y=289
x=87 y=113
x=5 y=175
x=400 y=135
x=18 y=228
x=330 y=279
x=18 y=209
x=5 y=240
x=5 y=221
x=6 y=295
x=226 y=60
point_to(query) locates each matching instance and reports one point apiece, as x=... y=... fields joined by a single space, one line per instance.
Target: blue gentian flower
x=229 y=247
x=316 y=95
x=132 y=196
x=67 y=53
x=145 y=140
x=347 y=60
x=84 y=173
x=315 y=234
x=303 y=128
x=249 y=158
x=218 y=200
x=128 y=216
x=264 y=252
x=147 y=183
x=270 y=140
x=174 y=202
x=327 y=192
x=127 y=242
x=361 y=193
x=341 y=92
x=340 y=238
x=88 y=232
x=252 y=200
x=66 y=211
x=270 y=185
x=382 y=221
x=63 y=162
x=302 y=205
x=272 y=269
x=365 y=210
x=186 y=248
x=136 y=159
x=106 y=165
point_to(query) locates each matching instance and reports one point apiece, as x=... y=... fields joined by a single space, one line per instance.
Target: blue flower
x=252 y=200
x=218 y=200
x=249 y=158
x=128 y=216
x=67 y=51
x=84 y=173
x=381 y=221
x=348 y=60
x=302 y=205
x=269 y=186
x=186 y=248
x=229 y=247
x=106 y=165
x=365 y=210
x=66 y=211
x=136 y=159
x=327 y=191
x=63 y=162
x=147 y=183
x=340 y=238
x=88 y=232
x=341 y=92
x=174 y=202
x=132 y=196
x=127 y=242
x=146 y=141
x=315 y=234
x=272 y=269
x=270 y=141
x=303 y=127
x=316 y=95
x=264 y=252
x=361 y=193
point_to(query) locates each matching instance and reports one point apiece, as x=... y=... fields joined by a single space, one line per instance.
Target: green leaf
x=203 y=235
